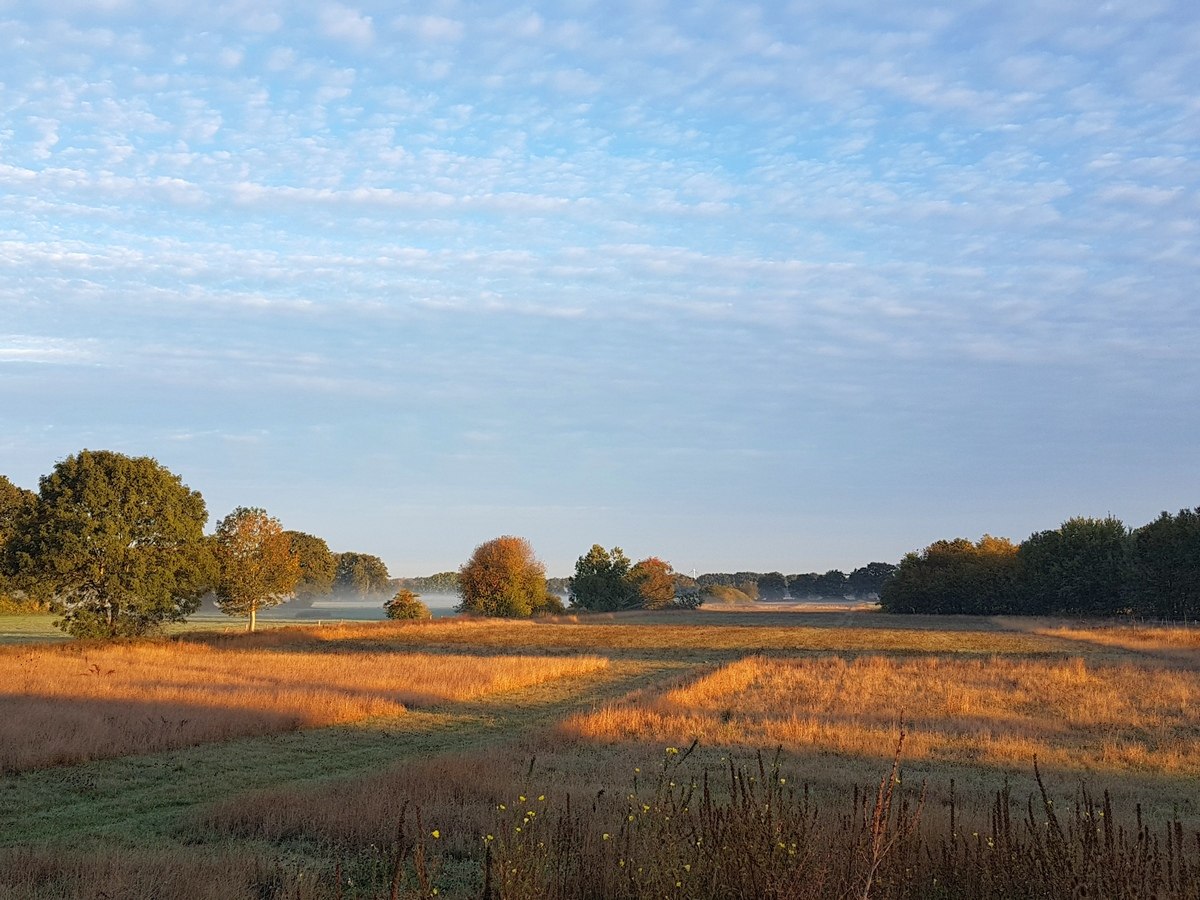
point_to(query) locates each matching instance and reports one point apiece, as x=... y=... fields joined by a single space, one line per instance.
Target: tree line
x=1086 y=566
x=115 y=546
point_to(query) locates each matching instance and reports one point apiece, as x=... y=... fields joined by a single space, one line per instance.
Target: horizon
x=743 y=286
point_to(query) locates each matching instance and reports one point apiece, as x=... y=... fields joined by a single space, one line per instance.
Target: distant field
x=294 y=761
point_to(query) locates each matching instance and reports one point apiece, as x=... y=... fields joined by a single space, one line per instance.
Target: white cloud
x=21 y=348
x=431 y=28
x=343 y=23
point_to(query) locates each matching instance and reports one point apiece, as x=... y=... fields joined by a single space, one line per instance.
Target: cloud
x=437 y=29
x=343 y=23
x=35 y=349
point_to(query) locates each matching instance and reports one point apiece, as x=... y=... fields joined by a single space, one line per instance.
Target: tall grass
x=74 y=703
x=752 y=829
x=994 y=712
x=757 y=834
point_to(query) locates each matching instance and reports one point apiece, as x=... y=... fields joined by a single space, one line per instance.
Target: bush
x=406 y=605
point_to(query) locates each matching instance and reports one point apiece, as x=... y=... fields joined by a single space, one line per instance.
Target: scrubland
x=650 y=755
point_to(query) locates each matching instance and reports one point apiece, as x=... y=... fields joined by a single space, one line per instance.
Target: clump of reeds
x=759 y=835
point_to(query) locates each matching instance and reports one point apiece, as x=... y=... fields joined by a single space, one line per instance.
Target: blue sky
x=766 y=286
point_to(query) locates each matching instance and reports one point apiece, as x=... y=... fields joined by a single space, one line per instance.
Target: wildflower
x=605 y=836
x=541 y=798
x=501 y=807
x=671 y=751
x=435 y=833
x=687 y=867
x=489 y=839
x=630 y=817
x=522 y=798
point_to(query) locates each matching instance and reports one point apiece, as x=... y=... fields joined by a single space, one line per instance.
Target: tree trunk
x=253 y=610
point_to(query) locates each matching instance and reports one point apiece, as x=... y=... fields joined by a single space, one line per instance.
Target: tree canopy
x=653 y=581
x=1164 y=562
x=503 y=578
x=958 y=576
x=601 y=581
x=1077 y=568
x=318 y=564
x=257 y=566
x=15 y=504
x=362 y=574
x=118 y=542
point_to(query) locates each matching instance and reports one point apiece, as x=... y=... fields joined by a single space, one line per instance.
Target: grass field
x=606 y=756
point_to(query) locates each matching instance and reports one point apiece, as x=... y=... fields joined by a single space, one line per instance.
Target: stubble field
x=688 y=754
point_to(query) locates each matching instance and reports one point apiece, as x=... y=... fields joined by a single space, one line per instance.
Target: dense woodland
x=115 y=545
x=1085 y=567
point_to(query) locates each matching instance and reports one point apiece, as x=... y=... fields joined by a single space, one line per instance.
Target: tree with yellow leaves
x=258 y=568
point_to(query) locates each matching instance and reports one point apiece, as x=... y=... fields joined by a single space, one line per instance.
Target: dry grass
x=991 y=712
x=70 y=704
x=1144 y=639
x=76 y=874
x=672 y=633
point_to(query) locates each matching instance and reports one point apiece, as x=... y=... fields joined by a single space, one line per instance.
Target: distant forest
x=115 y=545
x=1085 y=567
x=864 y=583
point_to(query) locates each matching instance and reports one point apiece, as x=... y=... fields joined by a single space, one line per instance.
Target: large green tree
x=772 y=586
x=362 y=574
x=258 y=568
x=318 y=564
x=601 y=581
x=1165 y=566
x=1081 y=567
x=118 y=542
x=16 y=503
x=958 y=576
x=869 y=579
x=503 y=578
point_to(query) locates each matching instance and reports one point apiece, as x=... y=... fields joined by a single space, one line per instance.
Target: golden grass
x=993 y=712
x=70 y=704
x=1144 y=639
x=680 y=632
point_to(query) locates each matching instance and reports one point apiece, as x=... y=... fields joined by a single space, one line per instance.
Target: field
x=683 y=754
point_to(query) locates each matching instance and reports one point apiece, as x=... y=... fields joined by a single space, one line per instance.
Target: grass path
x=138 y=799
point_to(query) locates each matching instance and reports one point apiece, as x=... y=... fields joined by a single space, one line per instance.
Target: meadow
x=712 y=753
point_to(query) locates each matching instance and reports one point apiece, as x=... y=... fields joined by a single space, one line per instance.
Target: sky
x=746 y=286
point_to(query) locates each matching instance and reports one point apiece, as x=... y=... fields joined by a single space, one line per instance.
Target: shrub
x=406 y=605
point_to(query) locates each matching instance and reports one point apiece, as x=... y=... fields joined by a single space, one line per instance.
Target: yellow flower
x=605 y=836
x=541 y=798
x=436 y=833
